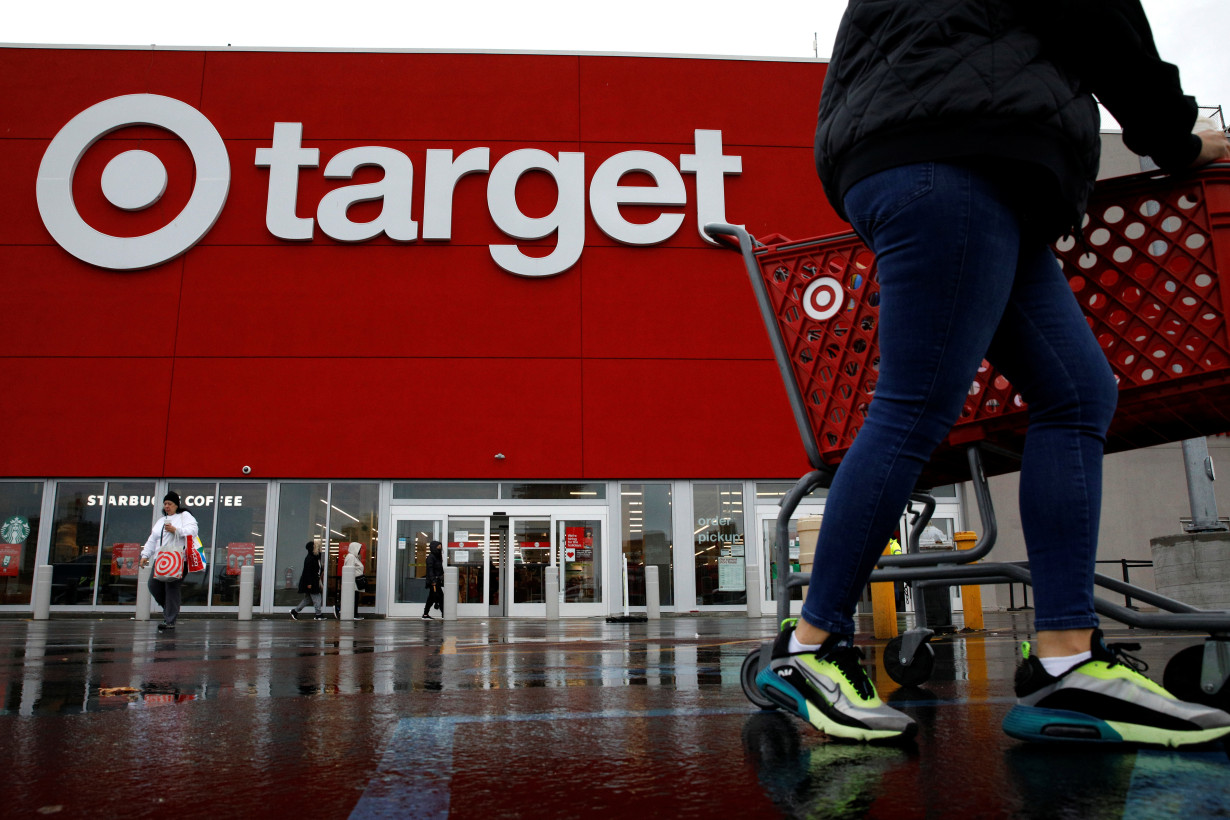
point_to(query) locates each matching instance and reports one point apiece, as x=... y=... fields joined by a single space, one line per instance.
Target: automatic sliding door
x=468 y=540
x=530 y=545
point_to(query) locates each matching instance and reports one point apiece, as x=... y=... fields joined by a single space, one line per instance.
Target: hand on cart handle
x=1214 y=147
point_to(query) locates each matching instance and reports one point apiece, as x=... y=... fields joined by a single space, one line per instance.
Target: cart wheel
x=747 y=677
x=919 y=670
x=1182 y=679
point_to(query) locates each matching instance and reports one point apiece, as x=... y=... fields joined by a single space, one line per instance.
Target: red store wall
x=399 y=360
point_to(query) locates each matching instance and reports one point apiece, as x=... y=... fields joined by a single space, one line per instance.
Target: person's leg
x=1075 y=687
x=1045 y=348
x=171 y=609
x=431 y=594
x=157 y=589
x=316 y=599
x=946 y=244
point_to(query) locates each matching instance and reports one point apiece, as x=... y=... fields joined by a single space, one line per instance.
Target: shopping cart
x=1153 y=278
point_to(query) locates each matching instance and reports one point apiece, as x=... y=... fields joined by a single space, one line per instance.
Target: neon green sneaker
x=830 y=689
x=1106 y=699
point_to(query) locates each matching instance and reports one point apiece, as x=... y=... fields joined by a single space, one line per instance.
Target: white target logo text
x=137 y=179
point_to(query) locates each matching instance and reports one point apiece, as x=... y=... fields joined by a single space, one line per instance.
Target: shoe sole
x=1038 y=725
x=789 y=698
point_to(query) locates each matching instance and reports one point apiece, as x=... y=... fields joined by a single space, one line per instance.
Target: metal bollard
x=144 y=598
x=42 y=592
x=552 y=593
x=653 y=609
x=247 y=584
x=451 y=575
x=752 y=573
x=346 y=590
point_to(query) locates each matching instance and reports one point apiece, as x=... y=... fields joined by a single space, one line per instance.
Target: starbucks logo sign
x=15 y=530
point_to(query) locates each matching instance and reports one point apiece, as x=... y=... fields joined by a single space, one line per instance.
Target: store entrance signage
x=136 y=179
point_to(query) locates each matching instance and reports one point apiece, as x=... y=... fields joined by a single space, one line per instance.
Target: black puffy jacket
x=999 y=80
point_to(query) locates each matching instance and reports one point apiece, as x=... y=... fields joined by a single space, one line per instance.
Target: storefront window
x=773 y=492
x=648 y=538
x=240 y=532
x=719 y=546
x=128 y=518
x=302 y=517
x=21 y=504
x=74 y=541
x=561 y=492
x=334 y=516
x=200 y=500
x=411 y=491
x=353 y=520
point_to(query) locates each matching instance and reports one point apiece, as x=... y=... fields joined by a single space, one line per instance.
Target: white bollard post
x=552 y=593
x=451 y=579
x=143 y=596
x=247 y=584
x=653 y=595
x=753 y=591
x=347 y=592
x=42 y=592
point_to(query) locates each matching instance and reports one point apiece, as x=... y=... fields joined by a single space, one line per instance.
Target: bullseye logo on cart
x=136 y=179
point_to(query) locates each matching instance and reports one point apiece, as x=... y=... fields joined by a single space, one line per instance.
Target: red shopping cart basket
x=1147 y=277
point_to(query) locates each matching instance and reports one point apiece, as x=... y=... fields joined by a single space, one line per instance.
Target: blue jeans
x=959 y=281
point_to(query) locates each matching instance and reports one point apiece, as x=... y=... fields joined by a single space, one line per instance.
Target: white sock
x=796 y=646
x=1057 y=666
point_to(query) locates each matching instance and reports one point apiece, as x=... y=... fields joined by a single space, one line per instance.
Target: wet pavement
x=521 y=718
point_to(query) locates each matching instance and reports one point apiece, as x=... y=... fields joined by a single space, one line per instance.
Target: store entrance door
x=525 y=556
x=501 y=559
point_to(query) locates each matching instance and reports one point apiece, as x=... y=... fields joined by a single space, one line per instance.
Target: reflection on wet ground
x=520 y=718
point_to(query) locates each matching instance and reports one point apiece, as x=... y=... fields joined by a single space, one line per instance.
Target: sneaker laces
x=848 y=660
x=1120 y=654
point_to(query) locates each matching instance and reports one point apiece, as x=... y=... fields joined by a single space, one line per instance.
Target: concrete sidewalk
x=519 y=718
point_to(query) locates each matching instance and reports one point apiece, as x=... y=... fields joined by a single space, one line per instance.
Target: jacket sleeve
x=187 y=526
x=1109 y=46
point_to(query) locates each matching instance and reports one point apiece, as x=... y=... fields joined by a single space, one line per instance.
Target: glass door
x=579 y=555
x=411 y=535
x=467 y=549
x=530 y=544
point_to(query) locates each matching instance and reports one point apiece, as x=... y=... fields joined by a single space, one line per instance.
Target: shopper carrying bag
x=168 y=546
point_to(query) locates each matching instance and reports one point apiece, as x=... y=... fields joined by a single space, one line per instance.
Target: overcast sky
x=1194 y=34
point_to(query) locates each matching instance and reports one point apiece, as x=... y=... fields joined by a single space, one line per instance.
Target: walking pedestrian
x=310 y=582
x=960 y=139
x=170 y=533
x=435 y=579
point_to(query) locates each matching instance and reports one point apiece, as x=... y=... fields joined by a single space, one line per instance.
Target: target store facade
x=384 y=298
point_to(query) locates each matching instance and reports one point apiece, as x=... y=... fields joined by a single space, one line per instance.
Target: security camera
x=246 y=469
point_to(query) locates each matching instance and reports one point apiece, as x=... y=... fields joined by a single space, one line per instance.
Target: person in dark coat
x=435 y=579
x=310 y=582
x=959 y=139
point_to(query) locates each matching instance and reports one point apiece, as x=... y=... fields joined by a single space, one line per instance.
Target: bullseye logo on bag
x=137 y=179
x=132 y=181
x=823 y=298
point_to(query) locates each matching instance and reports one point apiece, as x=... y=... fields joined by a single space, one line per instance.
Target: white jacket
x=184 y=524
x=352 y=560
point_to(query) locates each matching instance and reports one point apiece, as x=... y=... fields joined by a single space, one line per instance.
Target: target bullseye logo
x=132 y=181
x=169 y=563
x=823 y=298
